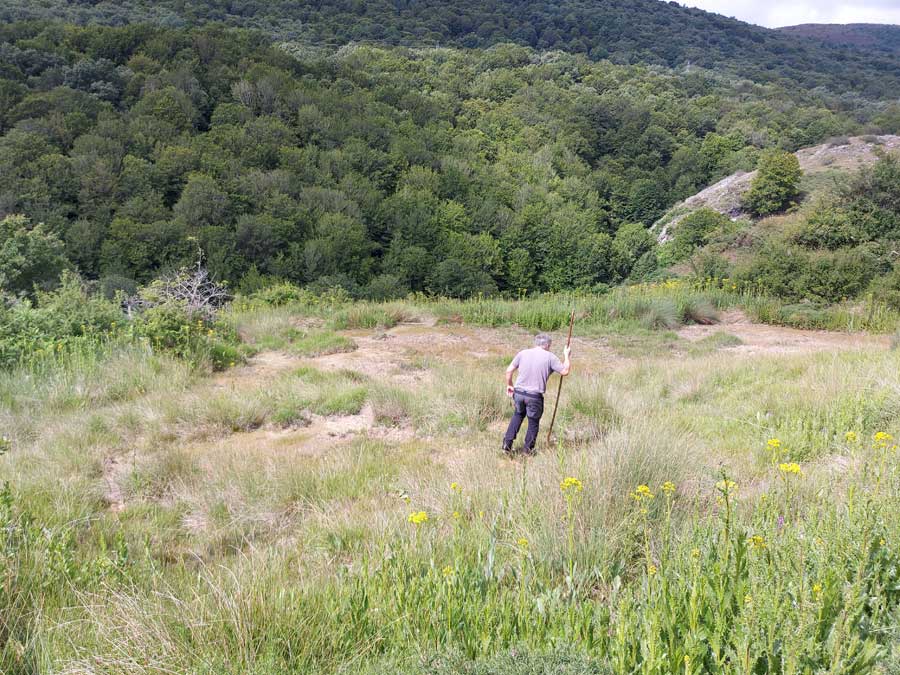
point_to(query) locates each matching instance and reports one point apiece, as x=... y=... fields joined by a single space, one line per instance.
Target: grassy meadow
x=337 y=502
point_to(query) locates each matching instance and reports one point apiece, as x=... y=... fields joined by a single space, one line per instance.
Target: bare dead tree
x=191 y=288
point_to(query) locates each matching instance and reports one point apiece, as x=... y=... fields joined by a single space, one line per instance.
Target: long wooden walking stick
x=559 y=390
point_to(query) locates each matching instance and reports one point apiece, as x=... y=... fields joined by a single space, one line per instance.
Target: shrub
x=64 y=318
x=709 y=265
x=832 y=277
x=829 y=226
x=886 y=288
x=385 y=287
x=170 y=327
x=694 y=231
x=776 y=184
x=776 y=269
x=282 y=294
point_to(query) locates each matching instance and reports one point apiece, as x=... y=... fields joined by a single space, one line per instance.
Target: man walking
x=534 y=366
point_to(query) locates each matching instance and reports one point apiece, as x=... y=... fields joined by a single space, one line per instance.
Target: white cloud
x=774 y=13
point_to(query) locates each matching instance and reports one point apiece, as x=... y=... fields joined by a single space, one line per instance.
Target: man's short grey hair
x=542 y=340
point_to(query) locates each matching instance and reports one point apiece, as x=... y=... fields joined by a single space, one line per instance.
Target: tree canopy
x=625 y=31
x=379 y=170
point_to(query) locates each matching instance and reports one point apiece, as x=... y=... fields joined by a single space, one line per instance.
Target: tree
x=202 y=202
x=776 y=184
x=29 y=256
x=631 y=242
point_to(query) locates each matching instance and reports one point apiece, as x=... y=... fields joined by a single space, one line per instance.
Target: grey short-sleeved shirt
x=535 y=366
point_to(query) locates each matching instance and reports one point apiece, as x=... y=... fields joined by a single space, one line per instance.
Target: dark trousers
x=526 y=405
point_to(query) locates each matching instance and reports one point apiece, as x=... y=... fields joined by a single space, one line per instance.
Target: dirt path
x=765 y=339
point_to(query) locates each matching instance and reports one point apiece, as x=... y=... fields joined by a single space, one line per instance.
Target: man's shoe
x=529 y=452
x=507 y=450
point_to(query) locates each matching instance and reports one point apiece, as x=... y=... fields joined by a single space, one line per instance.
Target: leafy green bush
x=280 y=294
x=776 y=270
x=385 y=287
x=68 y=317
x=839 y=275
x=694 y=231
x=170 y=327
x=886 y=287
x=829 y=226
x=776 y=185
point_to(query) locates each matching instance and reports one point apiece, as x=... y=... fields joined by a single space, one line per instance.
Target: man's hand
x=567 y=365
x=510 y=390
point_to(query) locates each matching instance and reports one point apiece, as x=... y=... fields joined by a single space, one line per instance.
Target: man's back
x=535 y=366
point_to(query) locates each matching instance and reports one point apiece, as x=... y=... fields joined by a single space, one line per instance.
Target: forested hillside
x=870 y=36
x=379 y=170
x=625 y=31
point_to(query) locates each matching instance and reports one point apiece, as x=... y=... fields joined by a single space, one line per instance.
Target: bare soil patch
x=392 y=356
x=765 y=339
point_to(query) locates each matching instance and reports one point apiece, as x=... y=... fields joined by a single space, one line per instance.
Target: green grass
x=241 y=546
x=661 y=305
x=320 y=344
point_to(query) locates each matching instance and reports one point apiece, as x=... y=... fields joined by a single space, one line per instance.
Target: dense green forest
x=381 y=170
x=624 y=31
x=871 y=36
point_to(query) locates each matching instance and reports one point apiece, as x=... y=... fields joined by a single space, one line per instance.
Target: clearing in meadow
x=719 y=498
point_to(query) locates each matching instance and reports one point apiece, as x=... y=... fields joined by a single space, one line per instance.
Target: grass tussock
x=371 y=315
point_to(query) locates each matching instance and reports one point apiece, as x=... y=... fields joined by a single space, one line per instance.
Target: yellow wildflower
x=881 y=439
x=571 y=483
x=726 y=486
x=642 y=492
x=816 y=589
x=651 y=569
x=695 y=553
x=447 y=572
x=455 y=487
x=748 y=599
x=790 y=468
x=456 y=515
x=774 y=443
x=757 y=541
x=850 y=436
x=522 y=542
x=418 y=517
x=668 y=487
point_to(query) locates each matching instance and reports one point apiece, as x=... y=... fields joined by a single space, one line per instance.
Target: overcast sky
x=774 y=13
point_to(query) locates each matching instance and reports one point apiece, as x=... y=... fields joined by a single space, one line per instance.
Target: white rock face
x=725 y=196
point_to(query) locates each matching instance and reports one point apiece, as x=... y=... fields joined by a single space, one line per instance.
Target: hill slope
x=883 y=37
x=818 y=164
x=626 y=31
